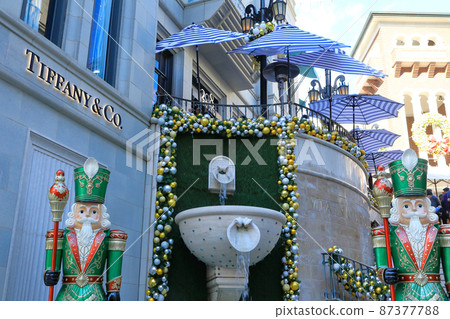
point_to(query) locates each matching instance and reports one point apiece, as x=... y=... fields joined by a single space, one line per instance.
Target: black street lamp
x=276 y=10
x=328 y=91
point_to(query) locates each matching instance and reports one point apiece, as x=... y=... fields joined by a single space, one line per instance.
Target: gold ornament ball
x=266 y=130
x=204 y=122
x=152 y=282
x=295 y=285
x=378 y=290
x=159 y=271
x=286 y=287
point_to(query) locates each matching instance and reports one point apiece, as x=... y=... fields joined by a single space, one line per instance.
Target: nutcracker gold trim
x=49 y=243
x=379 y=242
x=117 y=244
x=114 y=284
x=380 y=273
x=444 y=240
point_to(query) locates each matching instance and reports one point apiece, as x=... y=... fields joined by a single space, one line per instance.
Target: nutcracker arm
x=49 y=249
x=116 y=248
x=379 y=246
x=444 y=241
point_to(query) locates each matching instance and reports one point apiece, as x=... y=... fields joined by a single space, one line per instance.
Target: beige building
x=414 y=51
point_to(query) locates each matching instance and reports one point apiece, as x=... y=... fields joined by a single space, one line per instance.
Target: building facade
x=79 y=79
x=414 y=51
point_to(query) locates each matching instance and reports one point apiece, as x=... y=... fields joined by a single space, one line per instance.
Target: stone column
x=402 y=115
x=447 y=105
x=417 y=110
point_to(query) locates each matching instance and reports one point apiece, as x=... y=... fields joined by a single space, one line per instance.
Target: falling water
x=222 y=193
x=243 y=268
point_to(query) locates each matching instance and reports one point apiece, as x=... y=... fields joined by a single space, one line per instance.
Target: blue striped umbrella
x=372 y=140
x=335 y=60
x=195 y=34
x=375 y=159
x=358 y=108
x=287 y=38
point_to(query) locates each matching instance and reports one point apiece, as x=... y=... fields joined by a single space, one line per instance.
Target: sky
x=343 y=21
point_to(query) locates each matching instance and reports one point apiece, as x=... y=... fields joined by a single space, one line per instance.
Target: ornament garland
x=256 y=32
x=173 y=120
x=362 y=285
x=431 y=144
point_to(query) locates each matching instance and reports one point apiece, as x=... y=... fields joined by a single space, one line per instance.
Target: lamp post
x=275 y=10
x=328 y=91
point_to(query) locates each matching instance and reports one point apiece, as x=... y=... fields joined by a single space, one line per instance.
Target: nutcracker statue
x=87 y=244
x=414 y=240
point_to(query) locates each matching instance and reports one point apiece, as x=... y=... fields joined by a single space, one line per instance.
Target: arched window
x=400 y=42
x=431 y=43
x=415 y=42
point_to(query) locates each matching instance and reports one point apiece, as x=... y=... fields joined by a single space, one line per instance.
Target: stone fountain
x=218 y=235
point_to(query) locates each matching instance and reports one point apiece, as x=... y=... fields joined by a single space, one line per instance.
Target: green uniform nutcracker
x=417 y=242
x=87 y=244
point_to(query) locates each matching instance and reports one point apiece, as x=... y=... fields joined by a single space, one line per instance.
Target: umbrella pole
x=353 y=114
x=289 y=82
x=330 y=98
x=198 y=74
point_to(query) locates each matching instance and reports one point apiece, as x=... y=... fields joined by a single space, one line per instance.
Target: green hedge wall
x=187 y=276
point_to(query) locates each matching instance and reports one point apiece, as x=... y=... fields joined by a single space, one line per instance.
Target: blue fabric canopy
x=357 y=108
x=372 y=140
x=195 y=34
x=375 y=159
x=335 y=60
x=287 y=38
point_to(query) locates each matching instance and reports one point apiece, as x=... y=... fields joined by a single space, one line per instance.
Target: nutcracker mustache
x=414 y=214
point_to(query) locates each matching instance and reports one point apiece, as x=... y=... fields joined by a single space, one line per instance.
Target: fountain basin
x=204 y=231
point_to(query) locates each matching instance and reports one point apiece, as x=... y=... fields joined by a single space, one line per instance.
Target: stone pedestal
x=224 y=284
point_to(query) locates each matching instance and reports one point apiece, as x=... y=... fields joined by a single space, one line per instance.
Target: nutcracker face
x=412 y=206
x=88 y=211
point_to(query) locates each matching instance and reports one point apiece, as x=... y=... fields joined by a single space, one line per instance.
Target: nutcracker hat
x=409 y=175
x=91 y=182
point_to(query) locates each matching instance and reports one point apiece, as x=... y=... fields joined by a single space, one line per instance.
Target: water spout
x=222 y=193
x=243 y=268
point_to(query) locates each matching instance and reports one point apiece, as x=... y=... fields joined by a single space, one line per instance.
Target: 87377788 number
x=408 y=310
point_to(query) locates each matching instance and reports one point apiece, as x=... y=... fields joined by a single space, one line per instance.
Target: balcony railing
x=334 y=286
x=225 y=112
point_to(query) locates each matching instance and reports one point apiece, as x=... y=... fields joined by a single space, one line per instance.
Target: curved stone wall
x=334 y=210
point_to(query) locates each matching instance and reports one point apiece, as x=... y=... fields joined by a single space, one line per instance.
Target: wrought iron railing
x=335 y=280
x=226 y=112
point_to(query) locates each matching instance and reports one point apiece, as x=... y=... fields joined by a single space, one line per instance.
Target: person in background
x=442 y=213
x=436 y=204
x=446 y=202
